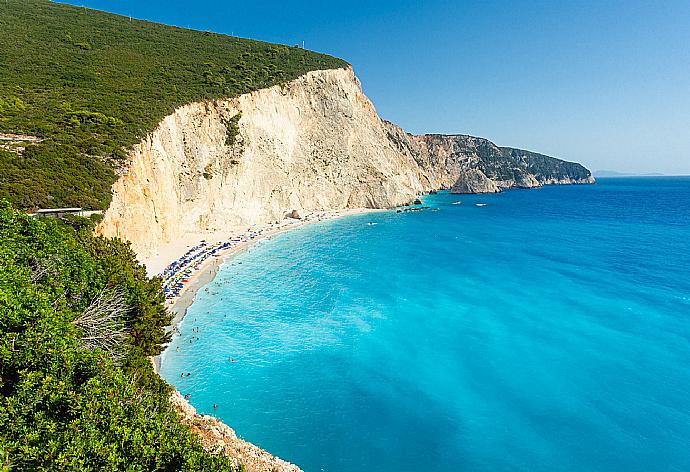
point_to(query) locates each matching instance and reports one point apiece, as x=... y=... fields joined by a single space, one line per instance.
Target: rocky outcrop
x=313 y=144
x=479 y=166
x=217 y=437
x=474 y=181
x=17 y=143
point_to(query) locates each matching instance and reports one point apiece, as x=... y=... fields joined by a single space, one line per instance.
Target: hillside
x=546 y=168
x=481 y=166
x=315 y=143
x=91 y=84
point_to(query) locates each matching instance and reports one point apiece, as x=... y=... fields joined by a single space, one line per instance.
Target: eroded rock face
x=474 y=181
x=482 y=167
x=313 y=144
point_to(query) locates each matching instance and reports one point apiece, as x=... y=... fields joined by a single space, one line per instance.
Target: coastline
x=208 y=268
x=215 y=435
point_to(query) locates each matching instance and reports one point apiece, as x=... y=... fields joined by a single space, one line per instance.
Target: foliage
x=66 y=404
x=547 y=167
x=233 y=128
x=92 y=84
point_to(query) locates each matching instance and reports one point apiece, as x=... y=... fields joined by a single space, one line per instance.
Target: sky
x=604 y=83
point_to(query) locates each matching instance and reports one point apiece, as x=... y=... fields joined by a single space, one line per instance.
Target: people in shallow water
x=186 y=397
x=215 y=407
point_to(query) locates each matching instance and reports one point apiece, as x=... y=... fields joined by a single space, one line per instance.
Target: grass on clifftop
x=91 y=84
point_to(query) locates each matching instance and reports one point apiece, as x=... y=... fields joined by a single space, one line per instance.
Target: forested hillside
x=90 y=84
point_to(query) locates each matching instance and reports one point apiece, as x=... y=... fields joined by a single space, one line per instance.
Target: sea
x=531 y=330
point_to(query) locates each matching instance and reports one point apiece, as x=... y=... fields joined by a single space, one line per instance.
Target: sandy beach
x=206 y=270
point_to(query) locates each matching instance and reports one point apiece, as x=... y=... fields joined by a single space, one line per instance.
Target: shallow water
x=548 y=330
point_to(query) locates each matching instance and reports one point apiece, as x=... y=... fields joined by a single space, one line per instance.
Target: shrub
x=67 y=402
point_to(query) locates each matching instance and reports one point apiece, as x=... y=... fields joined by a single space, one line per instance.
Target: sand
x=208 y=269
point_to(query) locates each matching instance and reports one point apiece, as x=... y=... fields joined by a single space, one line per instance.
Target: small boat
x=481 y=204
x=457 y=203
x=371 y=223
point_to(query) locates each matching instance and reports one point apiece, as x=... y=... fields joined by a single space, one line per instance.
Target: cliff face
x=313 y=144
x=482 y=167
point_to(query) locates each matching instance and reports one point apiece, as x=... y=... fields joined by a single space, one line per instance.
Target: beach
x=201 y=272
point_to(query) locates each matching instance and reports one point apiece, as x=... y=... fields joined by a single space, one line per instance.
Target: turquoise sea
x=546 y=331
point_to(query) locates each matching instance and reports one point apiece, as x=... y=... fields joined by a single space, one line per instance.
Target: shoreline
x=207 y=269
x=215 y=435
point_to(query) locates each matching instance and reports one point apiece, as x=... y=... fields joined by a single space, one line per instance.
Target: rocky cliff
x=218 y=438
x=312 y=144
x=483 y=167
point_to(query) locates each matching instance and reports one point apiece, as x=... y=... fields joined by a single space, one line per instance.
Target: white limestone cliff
x=315 y=143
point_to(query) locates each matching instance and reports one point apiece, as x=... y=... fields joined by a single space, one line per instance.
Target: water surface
x=545 y=331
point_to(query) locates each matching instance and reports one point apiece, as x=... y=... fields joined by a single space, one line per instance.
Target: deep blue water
x=546 y=331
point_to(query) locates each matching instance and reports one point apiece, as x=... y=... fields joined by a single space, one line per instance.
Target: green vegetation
x=91 y=84
x=77 y=319
x=232 y=125
x=546 y=167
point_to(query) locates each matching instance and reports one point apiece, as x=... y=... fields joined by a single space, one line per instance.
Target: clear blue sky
x=603 y=83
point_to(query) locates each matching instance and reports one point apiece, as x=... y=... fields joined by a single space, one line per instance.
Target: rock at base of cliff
x=294 y=214
x=474 y=181
x=218 y=438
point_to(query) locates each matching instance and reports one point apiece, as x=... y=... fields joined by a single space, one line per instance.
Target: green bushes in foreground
x=78 y=316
